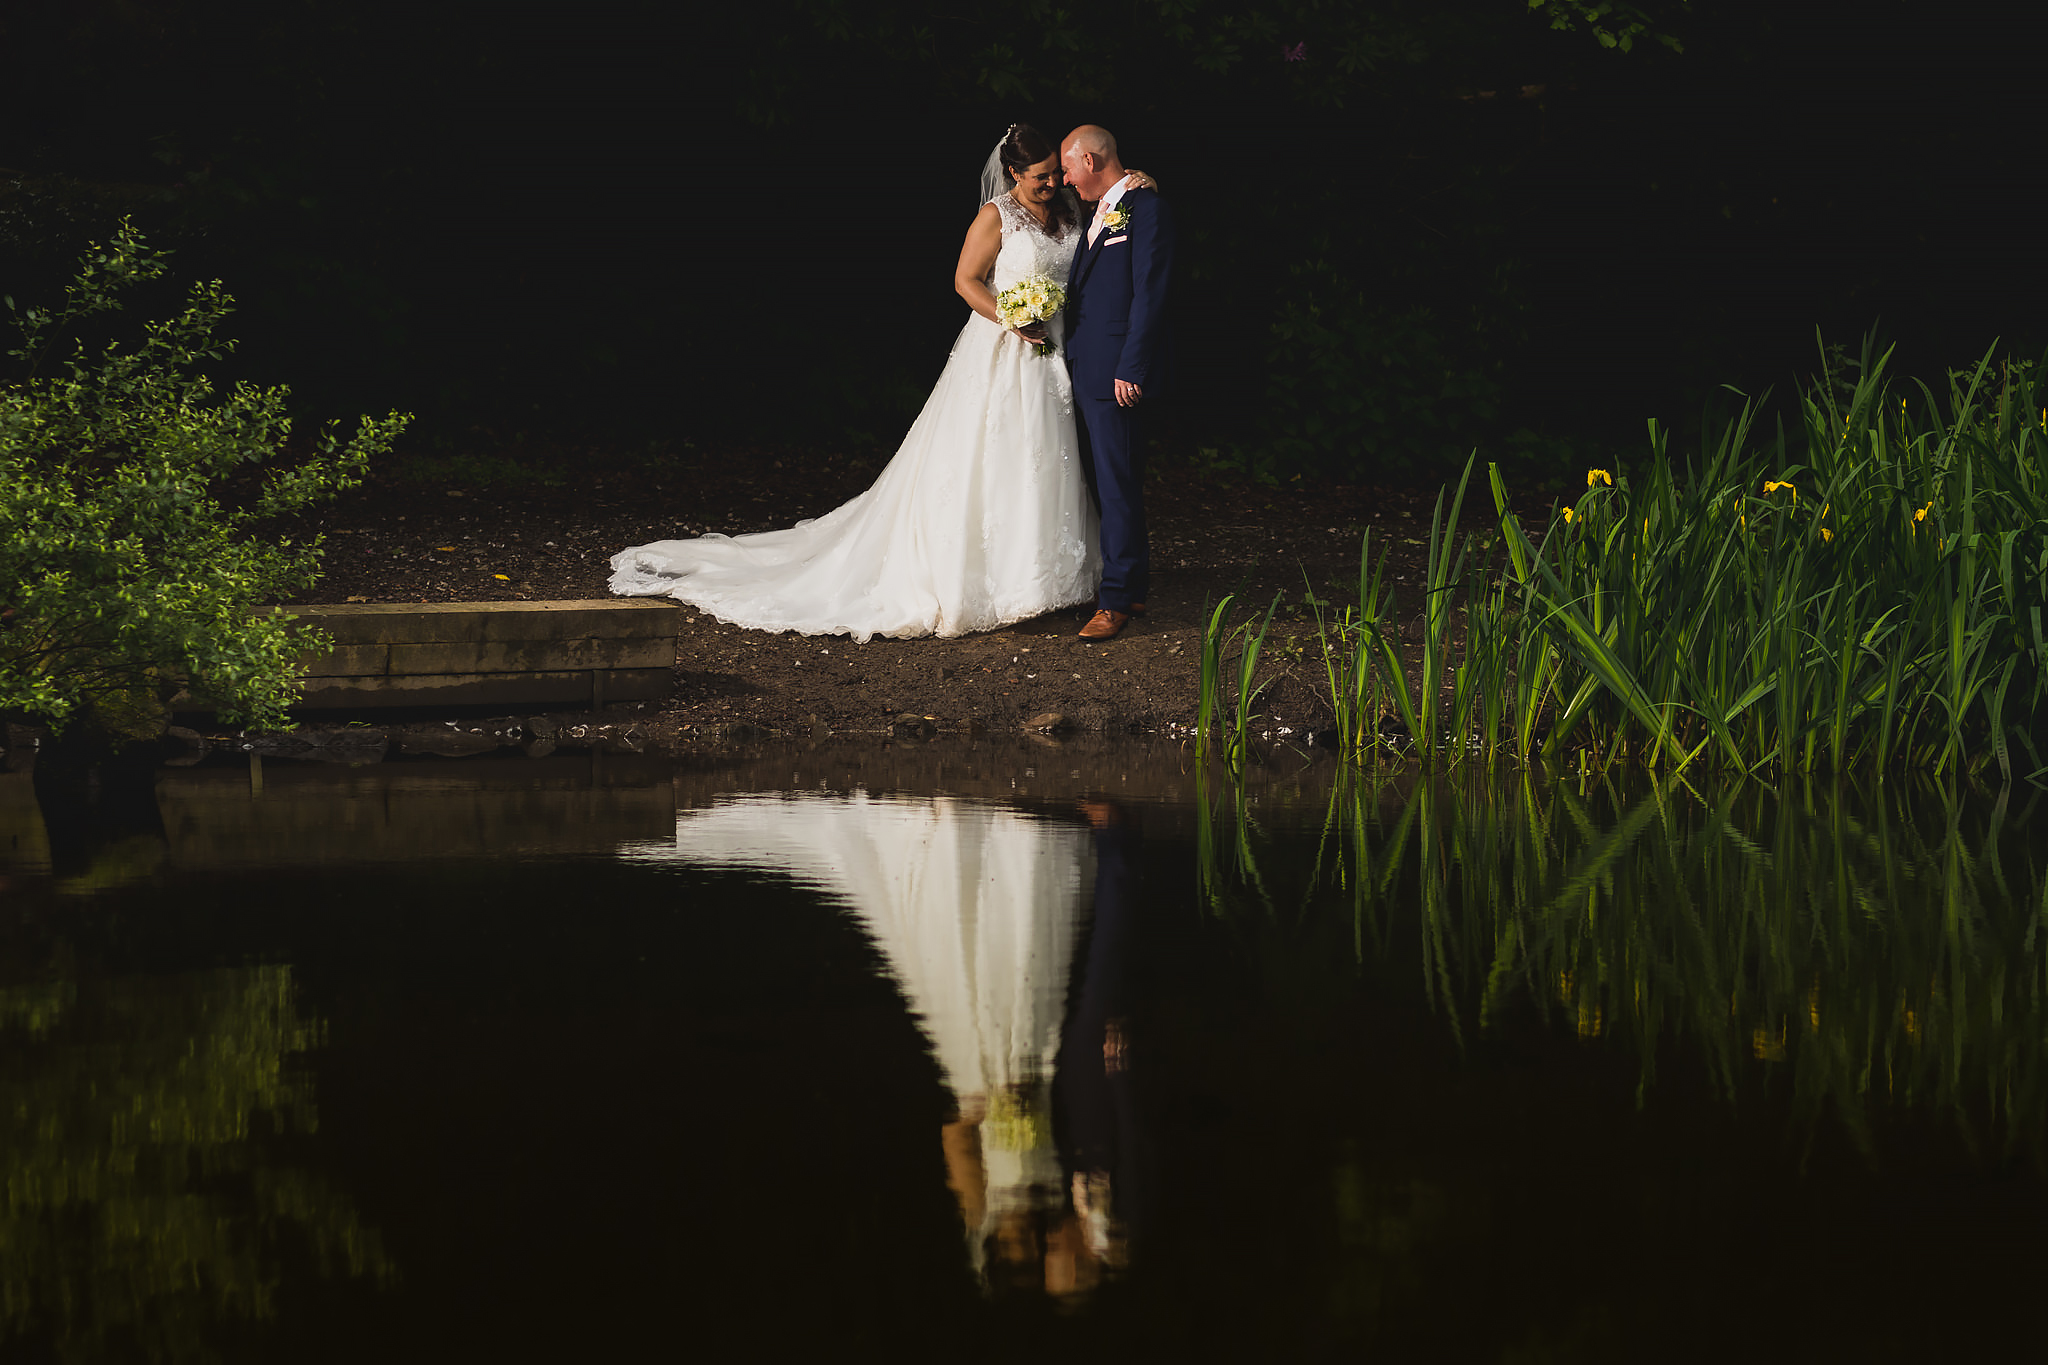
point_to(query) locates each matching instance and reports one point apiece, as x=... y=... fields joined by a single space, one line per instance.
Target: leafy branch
x=126 y=570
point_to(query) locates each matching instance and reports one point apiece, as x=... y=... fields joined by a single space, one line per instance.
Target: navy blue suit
x=1096 y=1118
x=1116 y=329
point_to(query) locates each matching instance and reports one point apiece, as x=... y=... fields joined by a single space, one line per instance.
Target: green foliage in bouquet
x=127 y=570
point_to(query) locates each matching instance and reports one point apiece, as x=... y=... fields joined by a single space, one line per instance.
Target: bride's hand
x=1138 y=180
x=1033 y=332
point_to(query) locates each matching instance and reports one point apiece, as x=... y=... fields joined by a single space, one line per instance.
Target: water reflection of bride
x=978 y=910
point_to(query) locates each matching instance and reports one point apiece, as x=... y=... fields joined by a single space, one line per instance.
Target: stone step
x=489 y=653
x=433 y=622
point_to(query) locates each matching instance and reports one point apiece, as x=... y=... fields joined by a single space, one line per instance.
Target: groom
x=1116 y=344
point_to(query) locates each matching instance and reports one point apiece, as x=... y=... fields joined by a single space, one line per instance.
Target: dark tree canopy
x=1412 y=226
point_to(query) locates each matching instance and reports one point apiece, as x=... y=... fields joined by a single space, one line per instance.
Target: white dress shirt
x=1107 y=203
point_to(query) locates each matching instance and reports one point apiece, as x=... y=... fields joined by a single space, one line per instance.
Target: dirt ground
x=478 y=538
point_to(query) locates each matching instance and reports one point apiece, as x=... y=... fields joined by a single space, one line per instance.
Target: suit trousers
x=1114 y=437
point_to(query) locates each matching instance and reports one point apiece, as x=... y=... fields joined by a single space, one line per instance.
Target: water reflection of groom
x=1064 y=1250
x=1095 y=1120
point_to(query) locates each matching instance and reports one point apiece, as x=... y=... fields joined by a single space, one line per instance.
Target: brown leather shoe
x=1105 y=624
x=1137 y=608
x=1101 y=814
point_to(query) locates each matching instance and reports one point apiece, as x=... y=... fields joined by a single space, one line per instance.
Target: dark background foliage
x=1442 y=224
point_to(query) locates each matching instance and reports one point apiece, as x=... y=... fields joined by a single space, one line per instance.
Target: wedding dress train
x=982 y=518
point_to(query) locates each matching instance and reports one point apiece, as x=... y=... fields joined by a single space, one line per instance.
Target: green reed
x=1229 y=688
x=1858 y=952
x=1865 y=591
x=1364 y=662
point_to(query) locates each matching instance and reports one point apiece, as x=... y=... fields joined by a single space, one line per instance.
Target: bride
x=983 y=518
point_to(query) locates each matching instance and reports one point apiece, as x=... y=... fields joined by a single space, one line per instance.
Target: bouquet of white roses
x=1035 y=298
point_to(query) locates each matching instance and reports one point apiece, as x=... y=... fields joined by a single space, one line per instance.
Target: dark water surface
x=1016 y=1051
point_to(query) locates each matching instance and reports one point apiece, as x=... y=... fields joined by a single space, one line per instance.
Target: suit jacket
x=1116 y=301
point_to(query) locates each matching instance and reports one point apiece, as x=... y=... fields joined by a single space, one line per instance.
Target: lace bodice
x=1029 y=249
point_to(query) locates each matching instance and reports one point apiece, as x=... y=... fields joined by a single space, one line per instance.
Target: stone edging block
x=509 y=653
x=387 y=623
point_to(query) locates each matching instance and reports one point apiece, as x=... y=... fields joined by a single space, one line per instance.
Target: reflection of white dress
x=981 y=519
x=975 y=908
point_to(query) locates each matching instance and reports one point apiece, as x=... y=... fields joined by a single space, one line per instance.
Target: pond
x=1016 y=1050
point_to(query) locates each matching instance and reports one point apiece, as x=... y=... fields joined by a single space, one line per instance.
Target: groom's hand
x=1127 y=394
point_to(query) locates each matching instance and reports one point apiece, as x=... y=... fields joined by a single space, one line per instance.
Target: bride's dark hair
x=1024 y=148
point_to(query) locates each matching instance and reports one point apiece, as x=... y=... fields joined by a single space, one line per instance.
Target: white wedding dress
x=981 y=519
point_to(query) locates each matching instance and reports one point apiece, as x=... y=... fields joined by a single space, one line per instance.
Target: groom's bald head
x=1094 y=140
x=1090 y=161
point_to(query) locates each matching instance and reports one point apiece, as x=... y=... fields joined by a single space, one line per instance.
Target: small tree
x=125 y=570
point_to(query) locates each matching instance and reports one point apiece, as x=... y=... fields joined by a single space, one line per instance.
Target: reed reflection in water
x=1879 y=950
x=980 y=911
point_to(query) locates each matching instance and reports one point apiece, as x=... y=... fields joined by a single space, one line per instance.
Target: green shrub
x=126 y=570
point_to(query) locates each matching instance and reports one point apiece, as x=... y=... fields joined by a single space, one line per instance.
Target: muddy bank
x=402 y=540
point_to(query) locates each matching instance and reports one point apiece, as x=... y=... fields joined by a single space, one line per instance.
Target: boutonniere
x=1116 y=219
